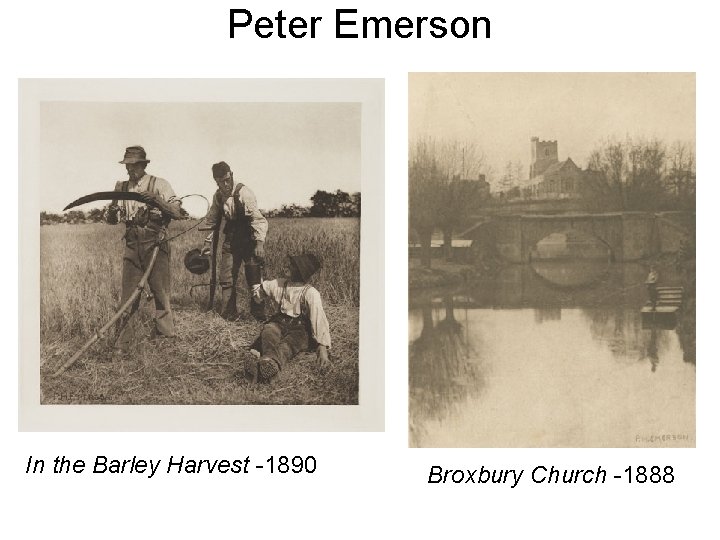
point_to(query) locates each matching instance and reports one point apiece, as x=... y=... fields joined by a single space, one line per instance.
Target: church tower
x=542 y=155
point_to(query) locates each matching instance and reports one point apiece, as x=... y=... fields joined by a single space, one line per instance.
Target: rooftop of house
x=568 y=164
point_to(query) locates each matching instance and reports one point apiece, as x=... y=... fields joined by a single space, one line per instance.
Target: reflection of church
x=551 y=178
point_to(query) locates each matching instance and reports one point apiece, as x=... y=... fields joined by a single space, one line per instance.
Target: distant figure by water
x=651 y=284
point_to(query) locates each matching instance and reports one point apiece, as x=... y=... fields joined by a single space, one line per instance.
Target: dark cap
x=307 y=264
x=219 y=170
x=134 y=154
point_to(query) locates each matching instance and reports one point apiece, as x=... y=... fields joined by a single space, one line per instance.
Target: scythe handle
x=213 y=267
x=140 y=286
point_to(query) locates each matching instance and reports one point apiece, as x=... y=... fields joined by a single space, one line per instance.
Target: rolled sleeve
x=318 y=320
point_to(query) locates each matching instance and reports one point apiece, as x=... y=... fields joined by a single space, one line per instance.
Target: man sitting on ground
x=298 y=325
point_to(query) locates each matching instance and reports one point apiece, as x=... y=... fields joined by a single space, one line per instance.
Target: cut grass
x=80 y=281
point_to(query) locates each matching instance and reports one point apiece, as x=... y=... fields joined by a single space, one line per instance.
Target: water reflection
x=442 y=374
x=652 y=349
x=571 y=245
x=515 y=362
x=571 y=274
x=517 y=286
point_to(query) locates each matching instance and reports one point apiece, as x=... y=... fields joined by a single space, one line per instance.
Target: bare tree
x=424 y=182
x=681 y=174
x=460 y=159
x=460 y=195
x=626 y=175
x=459 y=199
x=444 y=189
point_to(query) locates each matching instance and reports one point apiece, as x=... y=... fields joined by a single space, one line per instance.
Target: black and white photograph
x=200 y=253
x=551 y=259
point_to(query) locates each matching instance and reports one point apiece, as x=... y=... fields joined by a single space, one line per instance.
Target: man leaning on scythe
x=244 y=229
x=145 y=204
x=146 y=227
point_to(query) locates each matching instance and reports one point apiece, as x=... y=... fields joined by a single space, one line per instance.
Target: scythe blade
x=169 y=210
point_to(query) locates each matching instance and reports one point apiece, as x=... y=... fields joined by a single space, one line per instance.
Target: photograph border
x=368 y=415
x=444 y=108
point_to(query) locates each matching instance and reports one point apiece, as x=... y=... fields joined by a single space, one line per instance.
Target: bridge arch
x=571 y=243
x=606 y=228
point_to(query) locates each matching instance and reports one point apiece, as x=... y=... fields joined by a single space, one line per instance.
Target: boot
x=268 y=368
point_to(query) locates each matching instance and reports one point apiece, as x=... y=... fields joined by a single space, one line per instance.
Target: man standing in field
x=145 y=227
x=299 y=323
x=245 y=231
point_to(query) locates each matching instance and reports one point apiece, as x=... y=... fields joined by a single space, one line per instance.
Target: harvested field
x=80 y=289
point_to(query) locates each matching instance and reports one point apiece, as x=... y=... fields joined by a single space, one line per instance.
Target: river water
x=554 y=354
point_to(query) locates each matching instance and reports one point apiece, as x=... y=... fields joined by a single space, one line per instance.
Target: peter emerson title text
x=349 y=25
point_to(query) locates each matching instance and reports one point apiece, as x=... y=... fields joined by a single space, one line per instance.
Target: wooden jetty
x=669 y=302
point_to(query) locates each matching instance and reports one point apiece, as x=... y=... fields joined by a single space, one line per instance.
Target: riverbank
x=443 y=273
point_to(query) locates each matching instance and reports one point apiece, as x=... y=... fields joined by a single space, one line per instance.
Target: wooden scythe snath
x=100 y=333
x=168 y=210
x=213 y=266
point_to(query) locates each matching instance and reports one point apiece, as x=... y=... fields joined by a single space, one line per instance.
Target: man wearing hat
x=299 y=323
x=145 y=227
x=245 y=231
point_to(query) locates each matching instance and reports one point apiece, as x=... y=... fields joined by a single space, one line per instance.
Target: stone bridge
x=629 y=236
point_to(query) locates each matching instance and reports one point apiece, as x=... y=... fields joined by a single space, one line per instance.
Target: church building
x=551 y=178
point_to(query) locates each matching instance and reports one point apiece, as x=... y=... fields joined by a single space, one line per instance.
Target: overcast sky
x=283 y=151
x=499 y=112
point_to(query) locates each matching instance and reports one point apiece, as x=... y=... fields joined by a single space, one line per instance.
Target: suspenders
x=236 y=195
x=126 y=184
x=284 y=294
x=241 y=224
x=151 y=184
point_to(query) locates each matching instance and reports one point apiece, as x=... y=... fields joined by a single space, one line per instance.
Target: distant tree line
x=338 y=204
x=324 y=204
x=640 y=174
x=74 y=217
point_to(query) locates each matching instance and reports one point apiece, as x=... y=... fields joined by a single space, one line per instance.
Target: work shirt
x=162 y=188
x=299 y=299
x=248 y=211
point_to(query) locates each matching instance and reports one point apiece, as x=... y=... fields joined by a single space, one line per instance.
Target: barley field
x=80 y=274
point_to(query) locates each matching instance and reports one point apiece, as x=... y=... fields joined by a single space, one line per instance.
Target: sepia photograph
x=551 y=260
x=200 y=252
